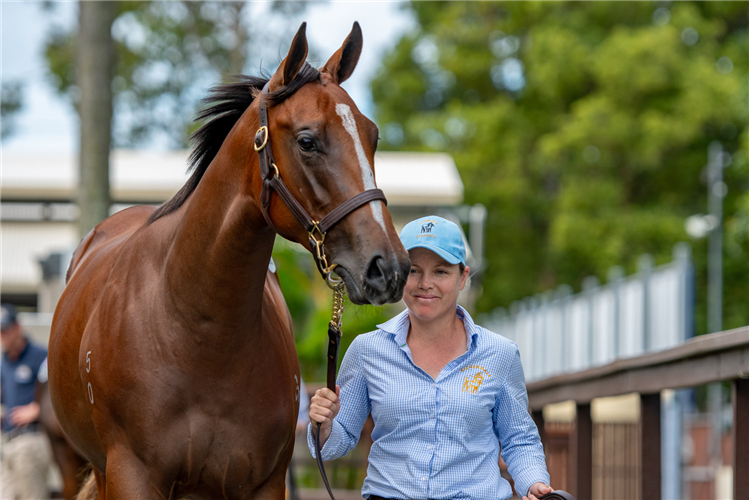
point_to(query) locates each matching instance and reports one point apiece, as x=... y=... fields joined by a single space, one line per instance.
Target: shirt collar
x=398 y=326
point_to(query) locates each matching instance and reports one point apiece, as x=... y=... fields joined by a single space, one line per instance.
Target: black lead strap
x=334 y=342
x=334 y=336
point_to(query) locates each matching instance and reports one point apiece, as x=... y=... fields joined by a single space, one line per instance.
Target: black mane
x=223 y=106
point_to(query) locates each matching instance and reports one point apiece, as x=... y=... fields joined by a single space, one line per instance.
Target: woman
x=444 y=393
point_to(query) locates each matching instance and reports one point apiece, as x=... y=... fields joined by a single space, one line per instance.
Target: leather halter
x=272 y=181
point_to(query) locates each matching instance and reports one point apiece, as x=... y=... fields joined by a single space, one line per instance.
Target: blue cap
x=7 y=316
x=438 y=235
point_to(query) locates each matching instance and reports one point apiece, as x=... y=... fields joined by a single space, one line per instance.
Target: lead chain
x=339 y=292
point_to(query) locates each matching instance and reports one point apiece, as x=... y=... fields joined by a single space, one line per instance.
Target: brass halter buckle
x=260 y=142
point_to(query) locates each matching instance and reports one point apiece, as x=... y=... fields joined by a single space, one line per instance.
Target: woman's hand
x=323 y=408
x=537 y=491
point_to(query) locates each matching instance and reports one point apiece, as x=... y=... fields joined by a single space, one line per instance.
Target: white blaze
x=366 y=169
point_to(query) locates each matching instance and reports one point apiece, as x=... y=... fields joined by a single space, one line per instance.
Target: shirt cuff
x=331 y=445
x=528 y=478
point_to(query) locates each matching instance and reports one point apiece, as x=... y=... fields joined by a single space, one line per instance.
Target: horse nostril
x=376 y=276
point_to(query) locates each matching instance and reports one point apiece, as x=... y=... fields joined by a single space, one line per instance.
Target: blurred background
x=588 y=149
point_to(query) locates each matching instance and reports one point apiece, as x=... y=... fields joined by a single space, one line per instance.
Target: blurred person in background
x=25 y=451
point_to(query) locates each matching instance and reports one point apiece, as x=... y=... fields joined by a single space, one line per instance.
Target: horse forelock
x=222 y=108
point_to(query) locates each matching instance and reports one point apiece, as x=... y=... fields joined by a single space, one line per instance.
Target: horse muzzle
x=380 y=282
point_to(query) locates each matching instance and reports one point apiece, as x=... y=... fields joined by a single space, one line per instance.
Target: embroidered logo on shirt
x=23 y=374
x=472 y=383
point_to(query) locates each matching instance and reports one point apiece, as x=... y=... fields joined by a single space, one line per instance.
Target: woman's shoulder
x=496 y=341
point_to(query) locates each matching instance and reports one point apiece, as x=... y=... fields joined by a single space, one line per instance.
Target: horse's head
x=324 y=151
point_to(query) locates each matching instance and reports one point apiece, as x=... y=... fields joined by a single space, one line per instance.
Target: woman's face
x=433 y=285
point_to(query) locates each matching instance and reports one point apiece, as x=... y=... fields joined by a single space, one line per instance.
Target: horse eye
x=306 y=144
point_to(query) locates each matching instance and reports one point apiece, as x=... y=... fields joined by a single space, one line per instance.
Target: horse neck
x=217 y=263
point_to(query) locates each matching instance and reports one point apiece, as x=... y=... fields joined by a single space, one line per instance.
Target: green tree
x=11 y=102
x=583 y=127
x=310 y=302
x=167 y=54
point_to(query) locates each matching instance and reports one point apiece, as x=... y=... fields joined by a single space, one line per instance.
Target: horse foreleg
x=127 y=478
x=274 y=488
x=101 y=485
x=72 y=468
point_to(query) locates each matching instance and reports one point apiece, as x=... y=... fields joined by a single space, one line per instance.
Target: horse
x=172 y=364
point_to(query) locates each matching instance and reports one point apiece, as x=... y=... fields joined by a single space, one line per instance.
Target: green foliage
x=11 y=102
x=583 y=127
x=310 y=302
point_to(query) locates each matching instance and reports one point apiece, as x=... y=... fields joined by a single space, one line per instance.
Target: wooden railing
x=702 y=360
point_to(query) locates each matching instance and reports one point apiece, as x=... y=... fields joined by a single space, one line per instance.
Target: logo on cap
x=427 y=227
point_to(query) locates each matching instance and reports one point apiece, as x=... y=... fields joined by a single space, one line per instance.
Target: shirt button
x=431 y=415
x=423 y=479
x=434 y=385
x=429 y=447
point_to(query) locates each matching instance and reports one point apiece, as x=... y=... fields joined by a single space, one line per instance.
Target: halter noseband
x=272 y=182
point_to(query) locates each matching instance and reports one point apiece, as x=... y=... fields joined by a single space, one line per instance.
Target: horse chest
x=220 y=454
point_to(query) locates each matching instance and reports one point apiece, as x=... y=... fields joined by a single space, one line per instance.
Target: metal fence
x=648 y=311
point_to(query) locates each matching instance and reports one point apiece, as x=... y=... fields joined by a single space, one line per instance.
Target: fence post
x=740 y=438
x=590 y=284
x=563 y=294
x=615 y=279
x=583 y=447
x=682 y=256
x=650 y=446
x=547 y=354
x=645 y=268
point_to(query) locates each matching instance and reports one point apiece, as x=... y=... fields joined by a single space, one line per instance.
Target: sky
x=48 y=122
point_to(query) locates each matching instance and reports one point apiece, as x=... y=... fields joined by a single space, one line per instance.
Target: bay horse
x=172 y=365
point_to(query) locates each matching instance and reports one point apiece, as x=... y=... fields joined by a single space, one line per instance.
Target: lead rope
x=334 y=337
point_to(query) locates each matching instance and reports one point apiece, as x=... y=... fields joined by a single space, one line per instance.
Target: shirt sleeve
x=43 y=376
x=521 y=445
x=355 y=408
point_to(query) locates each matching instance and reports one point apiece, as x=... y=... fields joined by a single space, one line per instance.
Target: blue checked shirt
x=437 y=439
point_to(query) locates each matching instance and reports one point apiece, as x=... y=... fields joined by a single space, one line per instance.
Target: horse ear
x=342 y=63
x=293 y=61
